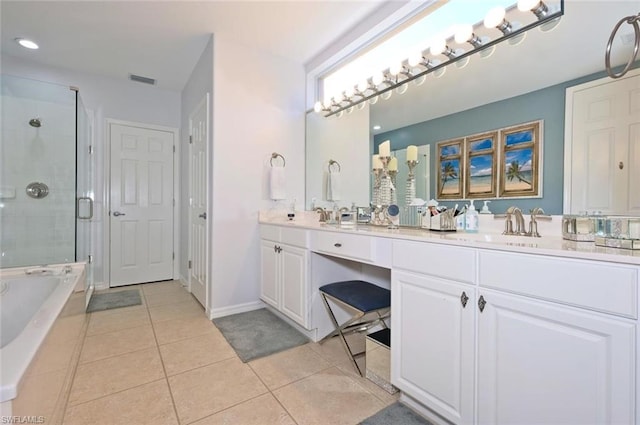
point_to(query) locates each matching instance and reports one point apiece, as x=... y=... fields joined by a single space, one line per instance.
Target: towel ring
x=633 y=21
x=334 y=162
x=274 y=156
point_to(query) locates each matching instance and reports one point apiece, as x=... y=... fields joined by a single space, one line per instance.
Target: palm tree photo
x=515 y=172
x=448 y=172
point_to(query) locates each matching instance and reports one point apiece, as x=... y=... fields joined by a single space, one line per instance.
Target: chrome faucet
x=520 y=226
x=520 y=222
x=533 y=224
x=508 y=224
x=339 y=214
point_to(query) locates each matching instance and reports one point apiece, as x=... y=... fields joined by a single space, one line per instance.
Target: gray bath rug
x=110 y=300
x=258 y=333
x=396 y=414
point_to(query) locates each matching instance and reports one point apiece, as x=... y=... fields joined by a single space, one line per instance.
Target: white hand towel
x=334 y=186
x=278 y=184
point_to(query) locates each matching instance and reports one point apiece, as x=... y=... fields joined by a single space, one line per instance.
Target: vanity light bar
x=371 y=88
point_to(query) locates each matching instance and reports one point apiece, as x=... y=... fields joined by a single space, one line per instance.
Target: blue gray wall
x=546 y=104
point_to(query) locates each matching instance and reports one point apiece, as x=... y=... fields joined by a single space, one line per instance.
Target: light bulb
x=463 y=33
x=494 y=17
x=415 y=59
x=386 y=95
x=373 y=100
x=377 y=79
x=348 y=93
x=339 y=114
x=402 y=89
x=420 y=80
x=317 y=107
x=361 y=106
x=527 y=5
x=437 y=47
x=363 y=86
x=396 y=68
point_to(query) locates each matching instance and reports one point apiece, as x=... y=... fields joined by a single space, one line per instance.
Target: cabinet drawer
x=444 y=261
x=295 y=237
x=271 y=233
x=590 y=284
x=344 y=245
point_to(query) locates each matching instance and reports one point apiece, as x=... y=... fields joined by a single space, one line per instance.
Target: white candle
x=377 y=164
x=384 y=149
x=412 y=153
x=393 y=164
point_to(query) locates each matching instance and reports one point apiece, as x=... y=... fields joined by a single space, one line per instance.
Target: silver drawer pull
x=337 y=244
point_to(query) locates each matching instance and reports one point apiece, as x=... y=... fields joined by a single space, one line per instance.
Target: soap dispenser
x=485 y=208
x=471 y=219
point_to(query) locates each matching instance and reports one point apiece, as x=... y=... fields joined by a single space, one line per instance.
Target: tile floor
x=164 y=363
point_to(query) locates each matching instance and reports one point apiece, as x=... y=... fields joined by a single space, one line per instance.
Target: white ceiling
x=164 y=39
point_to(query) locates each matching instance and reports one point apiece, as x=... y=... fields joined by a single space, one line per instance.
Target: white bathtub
x=29 y=305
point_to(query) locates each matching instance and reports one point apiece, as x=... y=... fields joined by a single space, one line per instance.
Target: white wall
x=258 y=108
x=106 y=98
x=200 y=82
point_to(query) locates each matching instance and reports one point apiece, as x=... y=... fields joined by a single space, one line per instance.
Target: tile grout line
x=164 y=369
x=273 y=395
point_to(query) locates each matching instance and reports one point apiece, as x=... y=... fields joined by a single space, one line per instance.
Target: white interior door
x=198 y=189
x=603 y=145
x=141 y=205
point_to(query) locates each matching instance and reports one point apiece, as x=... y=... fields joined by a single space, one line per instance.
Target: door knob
x=203 y=215
x=117 y=213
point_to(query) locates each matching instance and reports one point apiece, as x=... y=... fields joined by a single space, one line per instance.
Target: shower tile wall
x=37 y=231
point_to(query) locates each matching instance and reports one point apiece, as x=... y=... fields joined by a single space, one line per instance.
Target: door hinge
x=173 y=255
x=174 y=202
x=190 y=139
x=189 y=264
x=90 y=149
x=90 y=259
x=174 y=148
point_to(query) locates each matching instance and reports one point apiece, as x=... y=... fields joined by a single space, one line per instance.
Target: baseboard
x=421 y=410
x=235 y=309
x=100 y=286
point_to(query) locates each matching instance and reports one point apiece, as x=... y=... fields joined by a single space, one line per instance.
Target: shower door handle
x=83 y=217
x=117 y=213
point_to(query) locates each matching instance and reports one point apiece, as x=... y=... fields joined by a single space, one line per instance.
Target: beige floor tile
x=75 y=305
x=171 y=296
x=210 y=389
x=181 y=310
x=67 y=328
x=333 y=351
x=263 y=410
x=159 y=287
x=111 y=344
x=288 y=366
x=118 y=319
x=38 y=394
x=328 y=397
x=179 y=329
x=195 y=352
x=348 y=369
x=52 y=356
x=107 y=376
x=146 y=404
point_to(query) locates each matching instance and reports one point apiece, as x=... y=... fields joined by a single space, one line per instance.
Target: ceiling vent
x=141 y=79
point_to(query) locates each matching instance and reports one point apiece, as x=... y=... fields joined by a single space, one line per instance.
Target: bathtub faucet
x=42 y=270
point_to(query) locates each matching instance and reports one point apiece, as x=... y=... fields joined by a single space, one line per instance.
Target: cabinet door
x=269 y=266
x=539 y=363
x=432 y=343
x=294 y=284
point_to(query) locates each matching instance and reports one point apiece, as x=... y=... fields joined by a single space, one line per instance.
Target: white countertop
x=551 y=243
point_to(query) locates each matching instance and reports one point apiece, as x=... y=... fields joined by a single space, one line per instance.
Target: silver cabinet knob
x=117 y=213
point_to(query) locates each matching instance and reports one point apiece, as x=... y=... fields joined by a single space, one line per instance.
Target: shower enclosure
x=45 y=174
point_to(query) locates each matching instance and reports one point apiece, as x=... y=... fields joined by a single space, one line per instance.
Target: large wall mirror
x=517 y=84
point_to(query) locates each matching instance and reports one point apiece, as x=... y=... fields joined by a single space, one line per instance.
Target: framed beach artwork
x=521 y=158
x=450 y=163
x=480 y=169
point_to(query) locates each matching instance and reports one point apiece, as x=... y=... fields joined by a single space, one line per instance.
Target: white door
x=294 y=283
x=198 y=190
x=433 y=350
x=603 y=144
x=545 y=364
x=141 y=205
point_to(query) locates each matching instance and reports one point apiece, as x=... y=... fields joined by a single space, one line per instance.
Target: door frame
x=568 y=131
x=107 y=194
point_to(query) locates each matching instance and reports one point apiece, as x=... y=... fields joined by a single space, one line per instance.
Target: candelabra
x=394 y=193
x=410 y=193
x=385 y=182
x=377 y=180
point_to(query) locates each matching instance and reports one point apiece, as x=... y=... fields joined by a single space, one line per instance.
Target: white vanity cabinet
x=541 y=339
x=432 y=317
x=284 y=262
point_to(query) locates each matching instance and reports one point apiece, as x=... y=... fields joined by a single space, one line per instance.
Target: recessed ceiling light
x=376 y=127
x=27 y=43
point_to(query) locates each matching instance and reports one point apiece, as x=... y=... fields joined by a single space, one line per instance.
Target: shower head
x=35 y=122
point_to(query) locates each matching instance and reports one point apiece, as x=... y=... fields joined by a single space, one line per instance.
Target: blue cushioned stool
x=365 y=299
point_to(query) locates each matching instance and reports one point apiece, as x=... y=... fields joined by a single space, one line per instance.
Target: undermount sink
x=492 y=238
